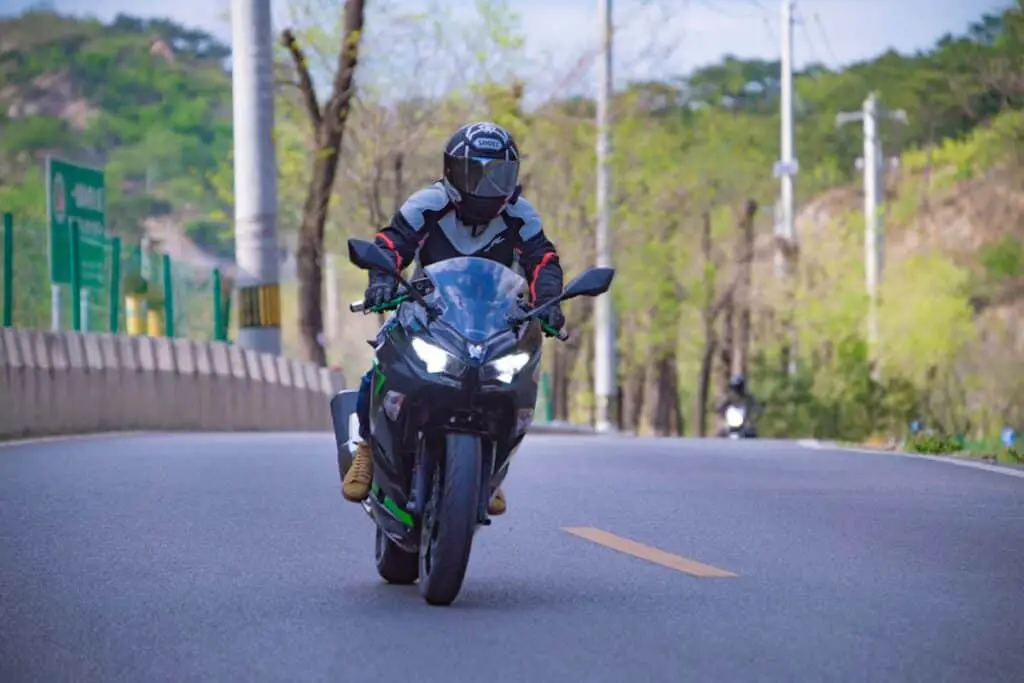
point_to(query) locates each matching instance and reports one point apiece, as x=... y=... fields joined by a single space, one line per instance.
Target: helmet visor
x=485 y=177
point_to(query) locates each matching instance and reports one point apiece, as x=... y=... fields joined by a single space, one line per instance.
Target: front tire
x=394 y=564
x=450 y=520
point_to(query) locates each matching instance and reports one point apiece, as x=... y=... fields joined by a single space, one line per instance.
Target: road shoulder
x=1007 y=470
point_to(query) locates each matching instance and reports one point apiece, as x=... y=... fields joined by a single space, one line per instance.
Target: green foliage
x=934 y=444
x=157 y=123
x=1004 y=259
x=833 y=398
x=925 y=314
x=134 y=284
x=215 y=237
x=36 y=132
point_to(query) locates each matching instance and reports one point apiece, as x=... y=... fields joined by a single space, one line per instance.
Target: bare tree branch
x=305 y=84
x=339 y=105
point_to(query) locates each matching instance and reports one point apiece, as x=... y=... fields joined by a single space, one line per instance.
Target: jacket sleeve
x=537 y=254
x=411 y=223
x=398 y=239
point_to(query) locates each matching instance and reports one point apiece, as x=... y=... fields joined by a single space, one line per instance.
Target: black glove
x=381 y=290
x=553 y=317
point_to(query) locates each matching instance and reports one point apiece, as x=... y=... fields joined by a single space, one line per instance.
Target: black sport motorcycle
x=454 y=387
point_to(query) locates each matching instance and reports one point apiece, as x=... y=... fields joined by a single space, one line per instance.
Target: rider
x=737 y=395
x=475 y=210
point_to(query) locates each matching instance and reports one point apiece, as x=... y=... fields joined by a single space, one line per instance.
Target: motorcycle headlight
x=506 y=367
x=734 y=417
x=434 y=358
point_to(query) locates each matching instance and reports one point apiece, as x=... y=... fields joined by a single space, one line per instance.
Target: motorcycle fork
x=423 y=475
x=486 y=472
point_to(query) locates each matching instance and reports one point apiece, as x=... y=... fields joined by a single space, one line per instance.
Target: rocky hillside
x=150 y=100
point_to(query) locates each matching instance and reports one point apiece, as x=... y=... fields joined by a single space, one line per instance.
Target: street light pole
x=605 y=375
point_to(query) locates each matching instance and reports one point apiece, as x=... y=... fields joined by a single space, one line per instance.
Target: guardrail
x=54 y=383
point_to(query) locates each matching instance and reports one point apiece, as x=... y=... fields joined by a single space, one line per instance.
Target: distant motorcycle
x=736 y=423
x=454 y=388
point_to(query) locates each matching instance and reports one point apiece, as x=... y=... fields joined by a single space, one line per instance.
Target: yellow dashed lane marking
x=646 y=552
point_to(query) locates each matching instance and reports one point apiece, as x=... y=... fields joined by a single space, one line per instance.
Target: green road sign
x=76 y=193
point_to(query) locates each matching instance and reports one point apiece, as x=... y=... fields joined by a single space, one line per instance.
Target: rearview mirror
x=592 y=282
x=368 y=256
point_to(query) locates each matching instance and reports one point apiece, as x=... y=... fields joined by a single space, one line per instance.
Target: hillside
x=150 y=100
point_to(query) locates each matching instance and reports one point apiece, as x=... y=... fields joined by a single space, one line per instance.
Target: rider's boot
x=496 y=506
x=356 y=486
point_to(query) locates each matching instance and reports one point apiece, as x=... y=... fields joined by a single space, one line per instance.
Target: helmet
x=481 y=171
x=738 y=383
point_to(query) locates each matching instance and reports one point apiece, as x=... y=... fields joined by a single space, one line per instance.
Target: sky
x=665 y=37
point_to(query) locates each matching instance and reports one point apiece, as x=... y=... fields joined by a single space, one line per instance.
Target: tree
x=328 y=124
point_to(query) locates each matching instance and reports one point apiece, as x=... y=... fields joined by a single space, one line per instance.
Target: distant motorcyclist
x=737 y=395
x=475 y=209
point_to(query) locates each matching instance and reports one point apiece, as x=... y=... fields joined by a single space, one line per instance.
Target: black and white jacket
x=426 y=229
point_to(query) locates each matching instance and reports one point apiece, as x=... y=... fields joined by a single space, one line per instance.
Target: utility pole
x=873 y=165
x=785 y=170
x=605 y=375
x=256 y=249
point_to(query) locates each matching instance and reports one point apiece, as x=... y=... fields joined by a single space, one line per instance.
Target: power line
x=770 y=31
x=824 y=37
x=719 y=10
x=802 y=21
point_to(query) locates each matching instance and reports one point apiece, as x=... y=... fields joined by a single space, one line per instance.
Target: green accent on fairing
x=392 y=507
x=379 y=377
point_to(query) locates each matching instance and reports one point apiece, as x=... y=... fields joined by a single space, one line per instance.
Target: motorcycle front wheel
x=450 y=519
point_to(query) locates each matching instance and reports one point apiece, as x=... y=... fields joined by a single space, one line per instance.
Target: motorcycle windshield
x=476 y=295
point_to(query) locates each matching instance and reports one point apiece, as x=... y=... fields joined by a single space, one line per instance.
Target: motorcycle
x=454 y=387
x=736 y=426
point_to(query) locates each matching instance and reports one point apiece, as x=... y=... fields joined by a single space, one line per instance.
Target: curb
x=56 y=438
x=561 y=428
x=814 y=444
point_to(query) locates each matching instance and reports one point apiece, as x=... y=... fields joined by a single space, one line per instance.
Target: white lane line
x=814 y=444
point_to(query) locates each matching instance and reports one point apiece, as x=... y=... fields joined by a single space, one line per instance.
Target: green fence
x=184 y=295
x=26 y=278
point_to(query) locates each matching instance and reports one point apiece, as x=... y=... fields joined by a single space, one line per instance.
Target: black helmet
x=738 y=383
x=481 y=171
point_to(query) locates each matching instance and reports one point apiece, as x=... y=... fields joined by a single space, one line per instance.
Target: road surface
x=233 y=558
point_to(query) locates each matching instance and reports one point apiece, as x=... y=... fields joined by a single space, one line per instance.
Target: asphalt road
x=233 y=558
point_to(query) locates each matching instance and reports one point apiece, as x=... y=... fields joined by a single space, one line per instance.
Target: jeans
x=363 y=405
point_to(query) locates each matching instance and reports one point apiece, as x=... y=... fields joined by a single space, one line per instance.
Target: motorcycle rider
x=737 y=395
x=475 y=209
